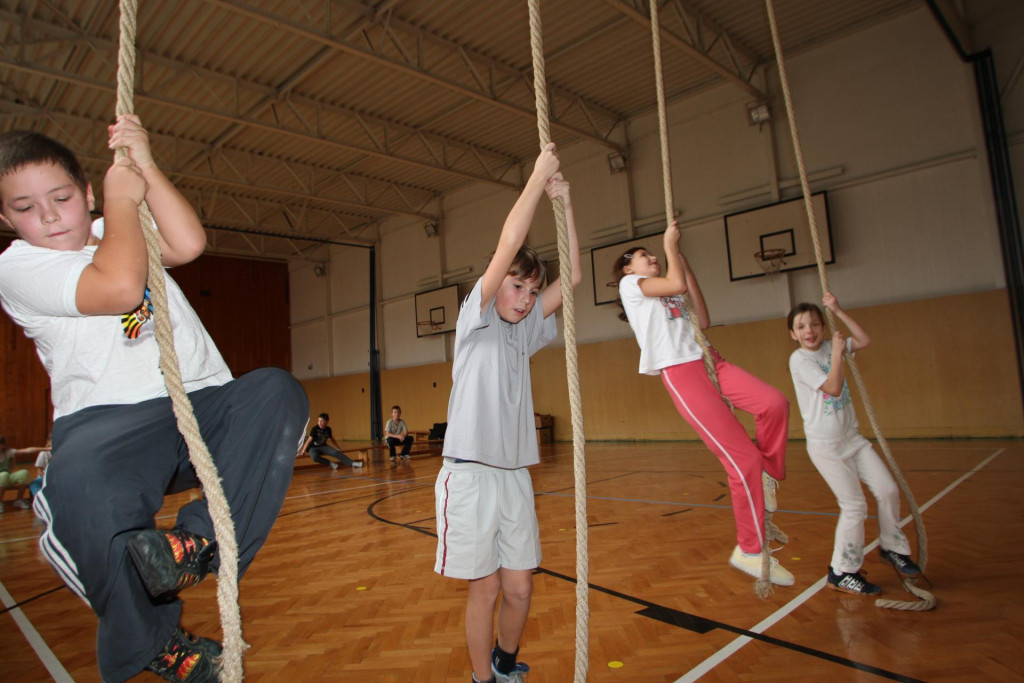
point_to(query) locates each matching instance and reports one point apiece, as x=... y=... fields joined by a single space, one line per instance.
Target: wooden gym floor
x=344 y=588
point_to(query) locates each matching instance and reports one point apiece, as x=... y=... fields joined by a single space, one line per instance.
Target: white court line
x=714 y=660
x=46 y=656
x=386 y=482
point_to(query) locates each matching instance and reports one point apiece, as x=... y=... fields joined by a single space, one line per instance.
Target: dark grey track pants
x=112 y=466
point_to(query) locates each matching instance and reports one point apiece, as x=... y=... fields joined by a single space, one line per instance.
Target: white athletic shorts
x=485 y=520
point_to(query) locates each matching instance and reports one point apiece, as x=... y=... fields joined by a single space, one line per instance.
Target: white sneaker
x=357 y=463
x=22 y=503
x=751 y=564
x=770 y=485
x=333 y=465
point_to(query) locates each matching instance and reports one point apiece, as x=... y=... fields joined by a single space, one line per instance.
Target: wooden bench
x=370 y=452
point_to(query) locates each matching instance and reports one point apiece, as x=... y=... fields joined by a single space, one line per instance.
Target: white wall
x=890 y=111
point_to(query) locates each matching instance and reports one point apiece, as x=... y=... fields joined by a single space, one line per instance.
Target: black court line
x=34 y=597
x=595 y=481
x=368 y=494
x=702 y=625
x=680 y=619
x=677 y=512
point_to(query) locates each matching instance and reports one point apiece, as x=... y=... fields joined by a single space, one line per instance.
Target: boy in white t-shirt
x=842 y=456
x=79 y=291
x=487 y=528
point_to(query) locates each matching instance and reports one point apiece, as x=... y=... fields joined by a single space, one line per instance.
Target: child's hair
x=325 y=416
x=398 y=408
x=19 y=148
x=803 y=308
x=618 y=273
x=528 y=265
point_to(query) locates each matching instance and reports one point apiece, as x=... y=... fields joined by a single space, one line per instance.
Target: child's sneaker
x=770 y=485
x=516 y=675
x=852 y=583
x=333 y=464
x=751 y=564
x=22 y=503
x=357 y=463
x=169 y=561
x=187 y=657
x=904 y=565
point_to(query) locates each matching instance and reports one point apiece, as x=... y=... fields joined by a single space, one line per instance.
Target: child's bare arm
x=517 y=224
x=833 y=385
x=115 y=281
x=181 y=235
x=859 y=337
x=673 y=281
x=557 y=186
x=305 y=445
x=696 y=296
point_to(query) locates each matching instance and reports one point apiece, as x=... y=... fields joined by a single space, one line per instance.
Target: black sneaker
x=852 y=583
x=904 y=565
x=170 y=561
x=187 y=657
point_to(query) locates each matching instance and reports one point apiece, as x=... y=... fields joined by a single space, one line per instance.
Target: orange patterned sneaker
x=187 y=657
x=170 y=560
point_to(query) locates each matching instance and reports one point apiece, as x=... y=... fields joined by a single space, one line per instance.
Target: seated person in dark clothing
x=395 y=433
x=316 y=445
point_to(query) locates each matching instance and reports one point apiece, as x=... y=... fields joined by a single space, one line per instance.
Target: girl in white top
x=842 y=456
x=653 y=306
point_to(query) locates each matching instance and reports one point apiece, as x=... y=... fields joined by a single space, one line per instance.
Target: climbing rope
x=571 y=358
x=763 y=585
x=927 y=599
x=224 y=529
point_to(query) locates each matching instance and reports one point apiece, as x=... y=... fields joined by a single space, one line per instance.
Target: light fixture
x=758 y=113
x=617 y=162
x=430 y=228
x=320 y=269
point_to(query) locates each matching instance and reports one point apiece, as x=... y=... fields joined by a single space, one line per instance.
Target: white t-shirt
x=825 y=416
x=490 y=410
x=90 y=359
x=43 y=460
x=661 y=325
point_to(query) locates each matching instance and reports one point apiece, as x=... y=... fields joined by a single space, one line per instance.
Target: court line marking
x=46 y=656
x=719 y=657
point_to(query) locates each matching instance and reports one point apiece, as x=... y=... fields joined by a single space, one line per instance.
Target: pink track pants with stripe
x=701 y=406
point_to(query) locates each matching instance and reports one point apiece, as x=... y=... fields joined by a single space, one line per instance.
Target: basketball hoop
x=427 y=327
x=771 y=260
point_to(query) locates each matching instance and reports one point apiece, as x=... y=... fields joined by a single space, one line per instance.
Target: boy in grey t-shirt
x=486 y=521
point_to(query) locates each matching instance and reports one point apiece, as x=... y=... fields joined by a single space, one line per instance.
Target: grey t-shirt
x=490 y=410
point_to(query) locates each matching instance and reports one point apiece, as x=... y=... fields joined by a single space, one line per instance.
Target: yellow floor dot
x=614 y=664
x=561 y=529
x=360 y=588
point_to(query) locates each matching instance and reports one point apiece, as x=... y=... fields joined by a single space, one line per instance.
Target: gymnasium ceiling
x=321 y=118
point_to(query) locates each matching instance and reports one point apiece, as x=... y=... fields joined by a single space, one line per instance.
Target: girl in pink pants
x=653 y=306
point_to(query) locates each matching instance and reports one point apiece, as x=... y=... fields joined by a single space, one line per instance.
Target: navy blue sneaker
x=904 y=565
x=852 y=583
x=516 y=675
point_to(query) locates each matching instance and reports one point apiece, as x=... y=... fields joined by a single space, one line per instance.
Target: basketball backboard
x=437 y=311
x=777 y=226
x=606 y=290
